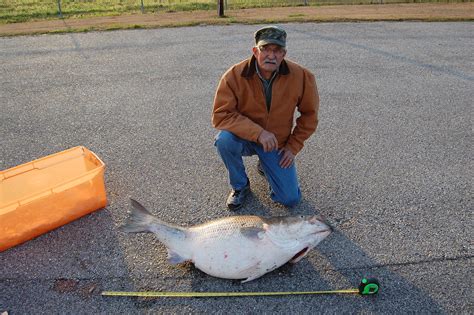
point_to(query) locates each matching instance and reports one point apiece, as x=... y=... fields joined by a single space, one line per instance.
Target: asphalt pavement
x=390 y=165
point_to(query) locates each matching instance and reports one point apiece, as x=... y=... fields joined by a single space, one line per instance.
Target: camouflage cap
x=270 y=35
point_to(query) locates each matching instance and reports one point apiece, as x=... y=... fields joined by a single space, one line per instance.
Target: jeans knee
x=225 y=141
x=289 y=200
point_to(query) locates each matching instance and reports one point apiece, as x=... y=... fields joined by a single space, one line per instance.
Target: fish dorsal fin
x=254 y=233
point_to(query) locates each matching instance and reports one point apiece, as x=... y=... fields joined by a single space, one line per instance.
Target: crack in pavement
x=409 y=263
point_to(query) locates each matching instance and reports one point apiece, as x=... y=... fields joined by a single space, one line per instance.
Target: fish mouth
x=329 y=230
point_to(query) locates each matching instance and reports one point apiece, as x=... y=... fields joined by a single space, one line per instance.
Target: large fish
x=236 y=247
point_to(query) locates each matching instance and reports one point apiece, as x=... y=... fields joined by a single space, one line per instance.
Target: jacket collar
x=249 y=69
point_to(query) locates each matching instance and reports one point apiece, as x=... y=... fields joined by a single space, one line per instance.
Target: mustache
x=273 y=62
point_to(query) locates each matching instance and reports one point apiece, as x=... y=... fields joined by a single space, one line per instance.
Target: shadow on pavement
x=328 y=267
x=66 y=269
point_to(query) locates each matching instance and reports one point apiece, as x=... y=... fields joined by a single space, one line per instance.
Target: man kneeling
x=254 y=106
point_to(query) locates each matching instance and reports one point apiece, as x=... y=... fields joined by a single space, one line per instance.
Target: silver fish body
x=236 y=247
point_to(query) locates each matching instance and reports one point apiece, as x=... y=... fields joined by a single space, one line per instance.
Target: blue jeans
x=284 y=186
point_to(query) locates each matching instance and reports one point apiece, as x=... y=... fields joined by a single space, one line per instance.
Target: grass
x=296 y=15
x=14 y=11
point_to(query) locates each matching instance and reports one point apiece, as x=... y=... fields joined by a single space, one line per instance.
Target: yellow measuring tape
x=366 y=287
x=219 y=294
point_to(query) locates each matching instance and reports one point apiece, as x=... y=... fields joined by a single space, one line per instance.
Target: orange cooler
x=44 y=194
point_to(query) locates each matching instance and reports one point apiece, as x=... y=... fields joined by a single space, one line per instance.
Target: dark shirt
x=267 y=85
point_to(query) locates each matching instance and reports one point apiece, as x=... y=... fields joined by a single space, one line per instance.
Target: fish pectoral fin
x=253 y=272
x=253 y=233
x=174 y=258
x=253 y=277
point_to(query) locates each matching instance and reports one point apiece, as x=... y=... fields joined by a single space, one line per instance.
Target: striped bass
x=237 y=247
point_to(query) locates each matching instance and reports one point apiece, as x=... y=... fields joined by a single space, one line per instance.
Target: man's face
x=269 y=57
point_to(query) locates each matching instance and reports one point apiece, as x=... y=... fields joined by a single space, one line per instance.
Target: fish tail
x=140 y=219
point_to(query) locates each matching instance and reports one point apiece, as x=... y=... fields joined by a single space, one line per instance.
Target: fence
x=25 y=10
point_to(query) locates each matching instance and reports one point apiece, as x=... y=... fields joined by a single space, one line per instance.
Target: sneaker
x=260 y=168
x=237 y=197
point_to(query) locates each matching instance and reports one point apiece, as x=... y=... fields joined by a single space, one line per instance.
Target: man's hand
x=268 y=141
x=287 y=158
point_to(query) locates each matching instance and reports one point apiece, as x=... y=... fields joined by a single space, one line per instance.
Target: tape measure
x=367 y=287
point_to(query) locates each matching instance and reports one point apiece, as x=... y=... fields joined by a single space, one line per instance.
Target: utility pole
x=220 y=8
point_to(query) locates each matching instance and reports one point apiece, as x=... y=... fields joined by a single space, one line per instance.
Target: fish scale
x=226 y=226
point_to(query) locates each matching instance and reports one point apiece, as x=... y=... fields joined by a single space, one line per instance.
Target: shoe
x=237 y=197
x=260 y=168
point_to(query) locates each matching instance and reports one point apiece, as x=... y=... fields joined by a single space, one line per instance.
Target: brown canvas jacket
x=239 y=104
